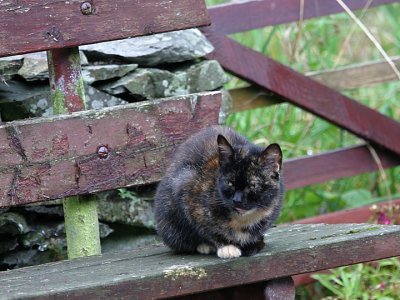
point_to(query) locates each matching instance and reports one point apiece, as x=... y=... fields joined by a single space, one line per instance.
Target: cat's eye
x=229 y=183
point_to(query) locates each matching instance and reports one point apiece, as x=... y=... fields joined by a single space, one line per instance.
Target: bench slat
x=51 y=158
x=156 y=272
x=29 y=26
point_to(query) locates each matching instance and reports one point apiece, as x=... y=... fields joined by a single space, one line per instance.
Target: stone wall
x=115 y=73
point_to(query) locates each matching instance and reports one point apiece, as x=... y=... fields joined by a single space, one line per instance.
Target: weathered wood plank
x=355 y=76
x=29 y=26
x=156 y=273
x=335 y=164
x=230 y=17
x=356 y=215
x=85 y=152
x=306 y=93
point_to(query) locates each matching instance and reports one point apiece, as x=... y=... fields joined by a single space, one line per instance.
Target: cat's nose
x=237 y=198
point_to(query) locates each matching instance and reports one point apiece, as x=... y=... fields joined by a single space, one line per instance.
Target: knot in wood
x=102 y=151
x=86 y=8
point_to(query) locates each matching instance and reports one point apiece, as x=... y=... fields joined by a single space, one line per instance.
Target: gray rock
x=126 y=207
x=151 y=83
x=12 y=223
x=19 y=100
x=34 y=67
x=205 y=76
x=9 y=67
x=152 y=50
x=96 y=99
x=128 y=238
x=105 y=72
x=148 y=83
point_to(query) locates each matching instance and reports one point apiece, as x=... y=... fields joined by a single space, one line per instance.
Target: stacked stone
x=115 y=73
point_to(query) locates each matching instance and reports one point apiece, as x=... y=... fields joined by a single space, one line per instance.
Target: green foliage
x=372 y=281
x=322 y=45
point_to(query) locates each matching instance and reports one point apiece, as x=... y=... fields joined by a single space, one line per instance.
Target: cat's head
x=248 y=177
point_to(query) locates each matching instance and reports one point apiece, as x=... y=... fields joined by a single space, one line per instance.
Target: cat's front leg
x=205 y=248
x=228 y=251
x=253 y=249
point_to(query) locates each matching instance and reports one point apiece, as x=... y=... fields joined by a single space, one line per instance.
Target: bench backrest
x=66 y=150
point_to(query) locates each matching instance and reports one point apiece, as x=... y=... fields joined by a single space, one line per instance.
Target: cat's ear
x=225 y=150
x=272 y=155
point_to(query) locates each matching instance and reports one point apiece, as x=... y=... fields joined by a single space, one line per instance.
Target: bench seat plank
x=156 y=272
x=51 y=158
x=30 y=26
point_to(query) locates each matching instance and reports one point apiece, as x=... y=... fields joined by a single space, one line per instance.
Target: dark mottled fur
x=219 y=190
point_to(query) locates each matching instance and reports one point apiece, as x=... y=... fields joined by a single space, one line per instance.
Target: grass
x=322 y=46
x=325 y=43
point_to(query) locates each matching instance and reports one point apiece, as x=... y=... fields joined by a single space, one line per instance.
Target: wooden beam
x=305 y=93
x=30 y=26
x=230 y=17
x=300 y=172
x=355 y=76
x=155 y=272
x=90 y=151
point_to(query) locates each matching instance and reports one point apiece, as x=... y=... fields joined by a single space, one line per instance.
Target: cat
x=219 y=195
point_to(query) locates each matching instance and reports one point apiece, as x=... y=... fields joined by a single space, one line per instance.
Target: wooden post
x=67 y=95
x=280 y=289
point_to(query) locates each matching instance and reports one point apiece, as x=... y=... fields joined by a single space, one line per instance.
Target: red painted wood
x=66 y=79
x=50 y=158
x=34 y=25
x=335 y=164
x=275 y=289
x=355 y=215
x=240 y=16
x=280 y=289
x=306 y=93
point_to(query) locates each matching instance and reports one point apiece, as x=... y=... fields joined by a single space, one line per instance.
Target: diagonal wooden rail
x=306 y=93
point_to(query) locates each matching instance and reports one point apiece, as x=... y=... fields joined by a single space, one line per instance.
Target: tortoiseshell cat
x=220 y=194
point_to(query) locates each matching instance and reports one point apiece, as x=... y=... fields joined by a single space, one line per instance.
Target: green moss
x=58 y=100
x=352 y=231
x=176 y=272
x=82 y=226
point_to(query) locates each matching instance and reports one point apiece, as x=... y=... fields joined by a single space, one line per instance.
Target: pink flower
x=383 y=219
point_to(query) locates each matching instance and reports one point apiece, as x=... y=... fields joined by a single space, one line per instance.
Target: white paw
x=205 y=249
x=229 y=251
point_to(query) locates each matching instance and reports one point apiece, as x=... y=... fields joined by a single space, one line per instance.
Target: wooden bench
x=85 y=152
x=155 y=272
